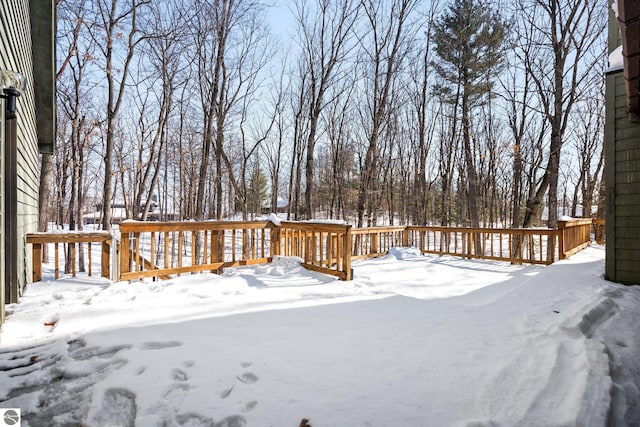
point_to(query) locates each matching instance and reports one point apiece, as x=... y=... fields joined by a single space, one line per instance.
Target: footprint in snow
x=159 y=345
x=81 y=352
x=118 y=408
x=193 y=419
x=226 y=392
x=232 y=421
x=248 y=378
x=179 y=375
x=76 y=344
x=175 y=393
x=250 y=406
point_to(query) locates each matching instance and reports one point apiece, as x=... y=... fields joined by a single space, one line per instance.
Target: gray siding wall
x=622 y=163
x=16 y=55
x=2 y=237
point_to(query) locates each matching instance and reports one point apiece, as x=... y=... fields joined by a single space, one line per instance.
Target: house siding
x=2 y=236
x=16 y=55
x=622 y=165
x=622 y=176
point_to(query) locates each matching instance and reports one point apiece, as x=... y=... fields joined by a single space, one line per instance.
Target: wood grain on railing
x=376 y=241
x=73 y=238
x=527 y=246
x=156 y=249
x=323 y=247
x=574 y=235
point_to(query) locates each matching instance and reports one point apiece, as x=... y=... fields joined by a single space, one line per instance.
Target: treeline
x=465 y=112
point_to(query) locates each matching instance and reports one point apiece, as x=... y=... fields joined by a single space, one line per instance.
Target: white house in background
x=119 y=213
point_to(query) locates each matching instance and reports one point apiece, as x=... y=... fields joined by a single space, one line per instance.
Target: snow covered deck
x=412 y=340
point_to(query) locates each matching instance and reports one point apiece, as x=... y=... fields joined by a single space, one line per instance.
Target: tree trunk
x=44 y=195
x=472 y=180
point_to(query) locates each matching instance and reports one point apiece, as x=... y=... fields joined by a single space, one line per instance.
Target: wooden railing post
x=106 y=256
x=73 y=259
x=374 y=243
x=37 y=261
x=346 y=264
x=562 y=227
x=125 y=255
x=275 y=248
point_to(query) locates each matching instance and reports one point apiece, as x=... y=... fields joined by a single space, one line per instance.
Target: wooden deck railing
x=376 y=241
x=573 y=236
x=156 y=249
x=323 y=247
x=528 y=246
x=72 y=238
x=162 y=249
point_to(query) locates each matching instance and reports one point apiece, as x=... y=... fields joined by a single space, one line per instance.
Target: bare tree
x=566 y=49
x=114 y=29
x=274 y=146
x=325 y=35
x=425 y=121
x=250 y=150
x=229 y=39
x=300 y=129
x=589 y=153
x=340 y=163
x=448 y=136
x=71 y=97
x=159 y=69
x=384 y=47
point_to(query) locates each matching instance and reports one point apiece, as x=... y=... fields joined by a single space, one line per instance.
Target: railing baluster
x=233 y=245
x=57 y=266
x=205 y=247
x=89 y=254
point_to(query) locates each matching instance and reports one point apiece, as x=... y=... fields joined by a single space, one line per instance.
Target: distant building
x=622 y=144
x=281 y=207
x=119 y=213
x=27 y=128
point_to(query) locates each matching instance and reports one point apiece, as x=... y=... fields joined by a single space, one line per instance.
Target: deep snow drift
x=413 y=340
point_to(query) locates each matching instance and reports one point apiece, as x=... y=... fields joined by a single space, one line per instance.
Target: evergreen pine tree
x=469 y=40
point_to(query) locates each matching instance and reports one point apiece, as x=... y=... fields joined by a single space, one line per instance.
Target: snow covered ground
x=412 y=341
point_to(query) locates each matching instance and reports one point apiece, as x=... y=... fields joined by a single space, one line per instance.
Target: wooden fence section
x=528 y=246
x=573 y=236
x=162 y=249
x=376 y=241
x=323 y=247
x=73 y=239
x=157 y=249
